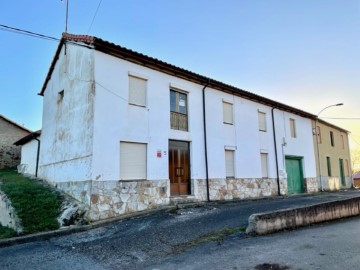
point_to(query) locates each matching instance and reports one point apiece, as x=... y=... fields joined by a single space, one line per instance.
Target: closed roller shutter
x=132 y=161
x=229 y=161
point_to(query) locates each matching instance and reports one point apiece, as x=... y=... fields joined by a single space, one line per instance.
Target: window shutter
x=262 y=121
x=229 y=162
x=137 y=91
x=264 y=165
x=228 y=113
x=132 y=161
x=292 y=128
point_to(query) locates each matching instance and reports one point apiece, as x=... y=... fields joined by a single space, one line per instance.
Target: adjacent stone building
x=10 y=132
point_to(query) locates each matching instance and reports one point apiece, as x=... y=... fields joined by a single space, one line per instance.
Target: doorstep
x=184 y=199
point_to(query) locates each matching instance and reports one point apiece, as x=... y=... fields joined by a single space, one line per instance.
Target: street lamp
x=317 y=139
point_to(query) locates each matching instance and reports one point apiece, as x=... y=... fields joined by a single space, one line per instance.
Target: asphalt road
x=153 y=241
x=328 y=246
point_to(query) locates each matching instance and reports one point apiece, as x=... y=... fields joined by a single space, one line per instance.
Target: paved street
x=158 y=240
x=328 y=246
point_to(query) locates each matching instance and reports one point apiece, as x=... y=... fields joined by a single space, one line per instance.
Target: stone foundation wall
x=334 y=183
x=311 y=185
x=80 y=190
x=229 y=189
x=114 y=198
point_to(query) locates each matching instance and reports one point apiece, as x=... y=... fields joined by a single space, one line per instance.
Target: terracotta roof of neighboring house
x=15 y=124
x=28 y=138
x=109 y=48
x=356 y=175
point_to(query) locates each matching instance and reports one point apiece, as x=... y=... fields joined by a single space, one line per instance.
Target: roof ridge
x=14 y=123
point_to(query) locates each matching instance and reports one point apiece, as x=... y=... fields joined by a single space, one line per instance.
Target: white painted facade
x=29 y=157
x=86 y=115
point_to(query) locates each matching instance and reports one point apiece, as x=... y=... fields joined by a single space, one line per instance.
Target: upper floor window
x=262 y=121
x=292 y=128
x=318 y=134
x=137 y=91
x=228 y=113
x=332 y=138
x=342 y=141
x=178 y=110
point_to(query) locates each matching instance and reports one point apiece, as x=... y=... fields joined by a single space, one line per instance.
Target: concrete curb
x=269 y=222
x=79 y=228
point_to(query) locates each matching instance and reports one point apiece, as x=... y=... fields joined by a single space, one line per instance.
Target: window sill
x=138 y=105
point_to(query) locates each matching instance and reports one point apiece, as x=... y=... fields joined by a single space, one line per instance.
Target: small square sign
x=158 y=153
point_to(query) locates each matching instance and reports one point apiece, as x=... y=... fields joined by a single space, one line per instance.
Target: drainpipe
x=37 y=157
x=205 y=141
x=275 y=148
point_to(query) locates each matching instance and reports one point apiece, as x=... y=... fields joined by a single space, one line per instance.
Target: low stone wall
x=80 y=190
x=114 y=198
x=264 y=223
x=8 y=216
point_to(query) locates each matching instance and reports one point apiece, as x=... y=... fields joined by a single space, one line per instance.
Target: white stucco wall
x=28 y=157
x=66 y=140
x=116 y=120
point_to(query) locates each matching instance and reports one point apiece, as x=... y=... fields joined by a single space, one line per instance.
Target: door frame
x=189 y=166
x=301 y=162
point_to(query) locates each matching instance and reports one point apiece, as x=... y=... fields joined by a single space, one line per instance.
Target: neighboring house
x=356 y=178
x=335 y=161
x=30 y=152
x=10 y=132
x=124 y=132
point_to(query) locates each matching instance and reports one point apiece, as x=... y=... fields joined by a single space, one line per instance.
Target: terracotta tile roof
x=154 y=63
x=14 y=123
x=356 y=175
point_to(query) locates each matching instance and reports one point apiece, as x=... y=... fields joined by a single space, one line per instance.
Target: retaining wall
x=269 y=222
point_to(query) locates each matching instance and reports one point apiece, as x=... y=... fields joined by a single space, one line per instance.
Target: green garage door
x=294 y=175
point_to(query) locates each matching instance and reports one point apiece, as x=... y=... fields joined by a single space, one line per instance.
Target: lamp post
x=317 y=139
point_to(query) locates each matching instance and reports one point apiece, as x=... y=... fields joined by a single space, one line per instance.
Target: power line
x=93 y=19
x=26 y=32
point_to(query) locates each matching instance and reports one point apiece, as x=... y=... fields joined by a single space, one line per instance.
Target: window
x=292 y=128
x=228 y=113
x=332 y=138
x=318 y=133
x=229 y=162
x=262 y=121
x=178 y=110
x=328 y=163
x=264 y=165
x=342 y=141
x=132 y=161
x=137 y=91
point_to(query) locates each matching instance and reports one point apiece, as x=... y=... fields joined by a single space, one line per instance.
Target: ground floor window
x=229 y=163
x=132 y=161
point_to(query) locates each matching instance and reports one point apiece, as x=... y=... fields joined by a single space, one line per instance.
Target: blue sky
x=304 y=53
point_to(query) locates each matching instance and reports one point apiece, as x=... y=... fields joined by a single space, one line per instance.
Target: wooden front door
x=294 y=173
x=179 y=168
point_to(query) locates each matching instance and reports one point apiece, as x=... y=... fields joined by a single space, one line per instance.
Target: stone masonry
x=10 y=132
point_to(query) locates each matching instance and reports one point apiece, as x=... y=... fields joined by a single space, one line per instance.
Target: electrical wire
x=26 y=32
x=93 y=19
x=342 y=118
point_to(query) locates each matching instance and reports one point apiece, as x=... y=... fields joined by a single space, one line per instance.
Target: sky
x=303 y=53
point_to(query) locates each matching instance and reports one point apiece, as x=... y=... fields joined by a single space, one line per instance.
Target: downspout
x=275 y=148
x=205 y=141
x=37 y=157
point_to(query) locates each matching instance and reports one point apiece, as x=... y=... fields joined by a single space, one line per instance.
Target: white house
x=125 y=132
